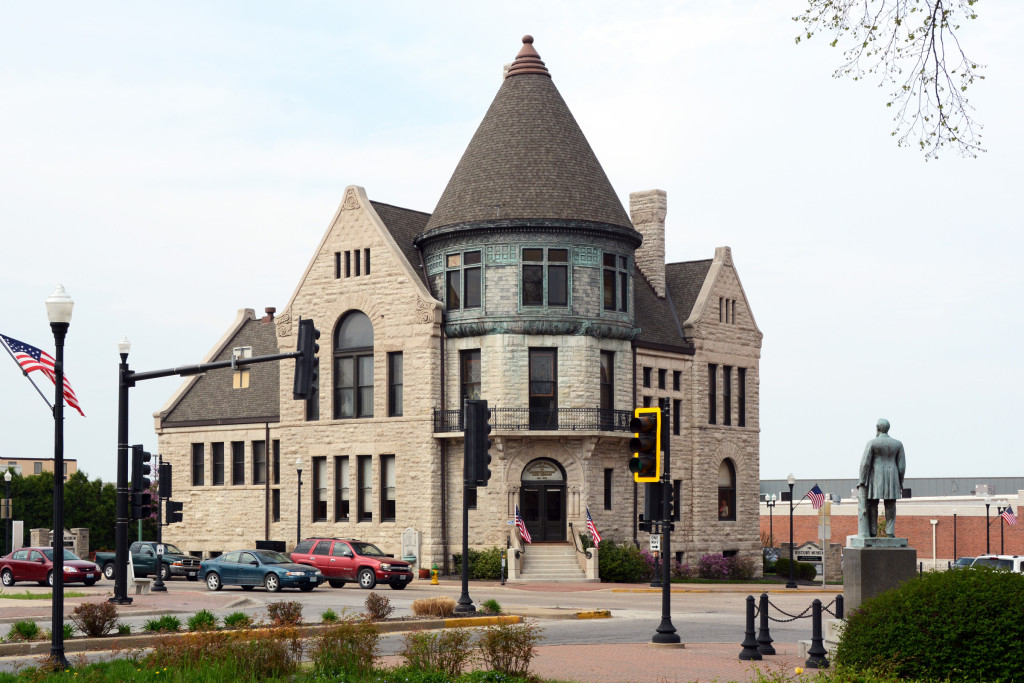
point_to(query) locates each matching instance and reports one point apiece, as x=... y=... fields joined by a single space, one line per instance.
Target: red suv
x=343 y=560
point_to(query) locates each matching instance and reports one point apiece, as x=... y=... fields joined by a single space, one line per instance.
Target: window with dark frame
x=366 y=257
x=543 y=388
x=277 y=461
x=365 y=491
x=647 y=401
x=727 y=394
x=395 y=383
x=348 y=264
x=356 y=261
x=662 y=377
x=353 y=367
x=198 y=458
x=608 y=478
x=741 y=398
x=469 y=370
x=615 y=282
x=647 y=377
x=607 y=381
x=275 y=505
x=726 y=491
x=545 y=277
x=712 y=393
x=320 y=489
x=341 y=491
x=259 y=462
x=677 y=377
x=337 y=265
x=238 y=463
x=463 y=280
x=387 y=488
x=217 y=465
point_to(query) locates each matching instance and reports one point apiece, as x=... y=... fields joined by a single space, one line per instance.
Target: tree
x=912 y=45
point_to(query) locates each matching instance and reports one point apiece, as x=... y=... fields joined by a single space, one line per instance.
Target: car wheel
x=213 y=581
x=367 y=579
x=398 y=586
x=165 y=572
x=248 y=588
x=108 y=571
x=336 y=584
x=49 y=579
x=272 y=582
x=308 y=587
x=7 y=577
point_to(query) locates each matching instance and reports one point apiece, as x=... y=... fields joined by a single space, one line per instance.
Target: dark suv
x=343 y=560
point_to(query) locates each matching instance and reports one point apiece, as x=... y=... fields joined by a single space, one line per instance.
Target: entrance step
x=551 y=562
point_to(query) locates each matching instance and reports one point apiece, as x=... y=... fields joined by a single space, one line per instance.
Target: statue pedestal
x=872 y=566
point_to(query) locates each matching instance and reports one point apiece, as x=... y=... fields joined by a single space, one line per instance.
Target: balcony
x=527 y=419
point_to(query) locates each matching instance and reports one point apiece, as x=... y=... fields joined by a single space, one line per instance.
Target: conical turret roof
x=528 y=160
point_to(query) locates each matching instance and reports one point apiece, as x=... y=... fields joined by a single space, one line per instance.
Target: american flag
x=521 y=525
x=596 y=537
x=31 y=359
x=1008 y=515
x=816 y=496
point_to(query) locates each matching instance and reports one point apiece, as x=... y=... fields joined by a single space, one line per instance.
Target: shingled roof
x=528 y=160
x=211 y=400
x=660 y=320
x=404 y=225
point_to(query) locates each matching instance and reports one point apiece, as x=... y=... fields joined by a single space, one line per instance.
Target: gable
x=721 y=308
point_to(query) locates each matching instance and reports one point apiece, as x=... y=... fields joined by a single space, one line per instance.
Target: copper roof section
x=527 y=61
x=528 y=160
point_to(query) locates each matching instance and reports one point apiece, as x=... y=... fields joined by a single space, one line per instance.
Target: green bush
x=491 y=605
x=483 y=564
x=167 y=622
x=95 y=619
x=230 y=655
x=329 y=616
x=124 y=629
x=203 y=620
x=346 y=650
x=23 y=630
x=965 y=625
x=508 y=648
x=801 y=570
x=238 y=620
x=285 y=613
x=622 y=563
x=446 y=651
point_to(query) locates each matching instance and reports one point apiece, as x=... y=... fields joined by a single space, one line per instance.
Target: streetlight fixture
x=120 y=596
x=58 y=309
x=298 y=509
x=769 y=500
x=791 y=480
x=10 y=512
x=988 y=501
x=1002 y=522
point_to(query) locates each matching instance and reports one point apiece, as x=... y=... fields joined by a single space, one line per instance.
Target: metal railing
x=525 y=419
x=576 y=543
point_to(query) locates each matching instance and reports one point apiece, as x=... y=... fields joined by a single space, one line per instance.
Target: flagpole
x=27 y=376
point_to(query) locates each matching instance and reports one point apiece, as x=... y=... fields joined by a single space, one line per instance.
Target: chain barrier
x=794 y=617
x=825 y=608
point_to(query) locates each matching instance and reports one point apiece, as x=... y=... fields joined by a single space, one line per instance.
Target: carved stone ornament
x=424 y=311
x=284 y=324
x=351 y=200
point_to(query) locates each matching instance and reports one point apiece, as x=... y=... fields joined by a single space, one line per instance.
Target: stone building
x=530 y=286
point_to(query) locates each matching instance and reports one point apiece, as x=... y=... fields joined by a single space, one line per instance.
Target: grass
x=39 y=596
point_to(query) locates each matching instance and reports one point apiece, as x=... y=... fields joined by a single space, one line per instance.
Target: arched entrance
x=542 y=500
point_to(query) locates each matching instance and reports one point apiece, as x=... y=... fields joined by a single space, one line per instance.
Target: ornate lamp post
x=124 y=382
x=58 y=309
x=770 y=502
x=1001 y=507
x=791 y=480
x=988 y=501
x=298 y=510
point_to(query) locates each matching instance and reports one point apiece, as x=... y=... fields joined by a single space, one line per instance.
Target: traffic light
x=477 y=443
x=142 y=499
x=307 y=364
x=645 y=445
x=653 y=502
x=164 y=480
x=173 y=512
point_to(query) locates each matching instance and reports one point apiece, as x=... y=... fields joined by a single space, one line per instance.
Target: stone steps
x=551 y=563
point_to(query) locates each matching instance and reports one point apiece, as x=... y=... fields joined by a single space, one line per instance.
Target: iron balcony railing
x=525 y=419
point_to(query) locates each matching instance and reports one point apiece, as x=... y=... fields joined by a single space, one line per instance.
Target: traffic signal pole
x=666 y=632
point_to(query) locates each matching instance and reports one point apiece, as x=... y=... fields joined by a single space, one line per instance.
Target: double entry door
x=543 y=510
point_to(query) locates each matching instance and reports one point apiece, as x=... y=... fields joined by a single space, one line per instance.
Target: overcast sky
x=170 y=163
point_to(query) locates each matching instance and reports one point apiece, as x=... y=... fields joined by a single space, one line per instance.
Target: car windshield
x=171 y=549
x=367 y=549
x=271 y=557
x=68 y=555
x=993 y=562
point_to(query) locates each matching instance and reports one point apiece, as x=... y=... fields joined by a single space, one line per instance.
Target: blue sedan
x=251 y=568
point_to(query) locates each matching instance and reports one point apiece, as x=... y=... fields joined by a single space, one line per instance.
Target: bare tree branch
x=911 y=45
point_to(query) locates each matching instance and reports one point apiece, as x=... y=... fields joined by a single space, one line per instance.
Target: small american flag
x=521 y=525
x=31 y=359
x=596 y=537
x=816 y=496
x=1008 y=515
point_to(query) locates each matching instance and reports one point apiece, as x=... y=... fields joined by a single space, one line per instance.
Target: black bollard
x=764 y=638
x=749 y=642
x=816 y=655
x=839 y=607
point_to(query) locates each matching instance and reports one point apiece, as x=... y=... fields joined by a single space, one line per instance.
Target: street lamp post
x=122 y=507
x=791 y=480
x=58 y=309
x=10 y=513
x=298 y=511
x=988 y=501
x=770 y=502
x=1002 y=522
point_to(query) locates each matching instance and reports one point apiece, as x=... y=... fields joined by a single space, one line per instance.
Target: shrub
x=801 y=570
x=713 y=567
x=741 y=568
x=348 y=648
x=95 y=619
x=622 y=563
x=238 y=620
x=203 y=620
x=508 y=648
x=440 y=606
x=683 y=571
x=284 y=613
x=378 y=606
x=447 y=651
x=167 y=622
x=232 y=655
x=491 y=606
x=124 y=629
x=23 y=630
x=483 y=564
x=329 y=616
x=964 y=625
x=69 y=632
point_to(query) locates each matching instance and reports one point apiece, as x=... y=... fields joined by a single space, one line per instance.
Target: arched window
x=726 y=491
x=353 y=367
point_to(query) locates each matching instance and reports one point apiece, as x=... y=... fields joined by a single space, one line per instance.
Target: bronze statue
x=881 y=478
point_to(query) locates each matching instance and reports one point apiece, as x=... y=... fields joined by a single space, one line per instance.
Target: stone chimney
x=647 y=211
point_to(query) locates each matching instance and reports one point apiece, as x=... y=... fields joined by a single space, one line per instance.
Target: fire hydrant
x=433 y=574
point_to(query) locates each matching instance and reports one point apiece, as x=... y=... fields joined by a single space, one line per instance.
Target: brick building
x=530 y=286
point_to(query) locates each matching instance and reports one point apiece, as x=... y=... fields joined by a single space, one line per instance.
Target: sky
x=171 y=163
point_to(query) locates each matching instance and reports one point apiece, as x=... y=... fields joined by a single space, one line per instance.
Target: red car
x=343 y=560
x=36 y=564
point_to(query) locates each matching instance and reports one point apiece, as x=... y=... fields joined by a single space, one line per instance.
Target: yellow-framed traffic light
x=645 y=463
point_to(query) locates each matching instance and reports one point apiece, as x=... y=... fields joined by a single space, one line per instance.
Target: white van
x=1013 y=563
